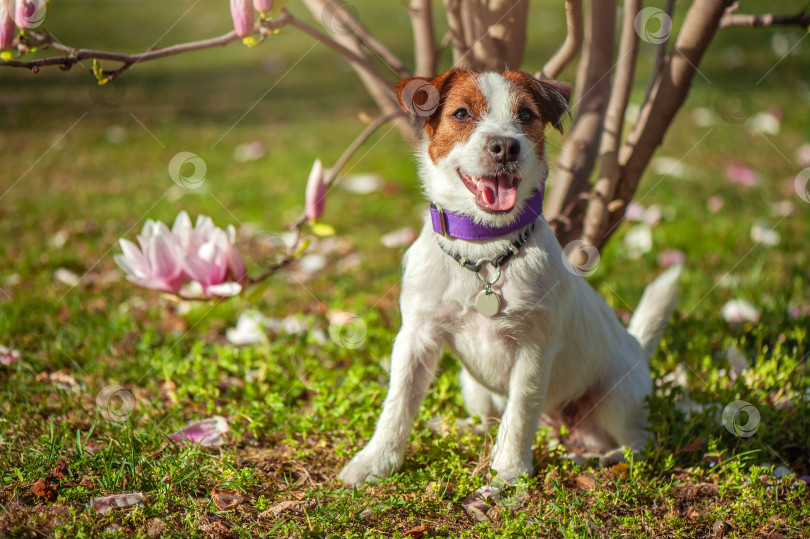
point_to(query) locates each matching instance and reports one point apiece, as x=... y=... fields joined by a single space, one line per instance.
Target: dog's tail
x=653 y=311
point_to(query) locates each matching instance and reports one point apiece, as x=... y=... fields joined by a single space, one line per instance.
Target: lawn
x=83 y=166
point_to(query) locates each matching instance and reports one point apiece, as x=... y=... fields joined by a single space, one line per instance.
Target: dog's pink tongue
x=497 y=192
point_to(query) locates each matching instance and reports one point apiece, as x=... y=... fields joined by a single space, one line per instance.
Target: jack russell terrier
x=488 y=277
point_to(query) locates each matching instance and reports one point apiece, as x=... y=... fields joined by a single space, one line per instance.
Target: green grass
x=300 y=406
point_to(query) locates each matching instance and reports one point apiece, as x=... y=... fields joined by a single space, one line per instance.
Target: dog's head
x=485 y=147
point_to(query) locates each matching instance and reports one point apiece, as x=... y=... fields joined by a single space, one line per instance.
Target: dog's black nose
x=503 y=149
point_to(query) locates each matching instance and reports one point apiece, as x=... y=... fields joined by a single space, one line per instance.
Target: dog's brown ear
x=552 y=97
x=422 y=97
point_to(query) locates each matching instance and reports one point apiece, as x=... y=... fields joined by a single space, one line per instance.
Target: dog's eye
x=461 y=114
x=525 y=116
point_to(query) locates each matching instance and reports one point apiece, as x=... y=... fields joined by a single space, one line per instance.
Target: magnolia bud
x=263 y=6
x=315 y=198
x=242 y=14
x=6 y=26
x=29 y=13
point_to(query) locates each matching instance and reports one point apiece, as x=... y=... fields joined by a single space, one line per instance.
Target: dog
x=488 y=277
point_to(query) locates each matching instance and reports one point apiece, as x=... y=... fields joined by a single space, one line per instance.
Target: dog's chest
x=488 y=346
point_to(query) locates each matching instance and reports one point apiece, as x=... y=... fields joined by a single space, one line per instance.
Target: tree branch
x=458 y=37
x=349 y=23
x=424 y=39
x=729 y=20
x=571 y=45
x=347 y=154
x=74 y=56
x=667 y=96
x=597 y=213
x=581 y=146
x=380 y=88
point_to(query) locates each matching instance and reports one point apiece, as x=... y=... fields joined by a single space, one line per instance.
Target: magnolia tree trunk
x=599 y=167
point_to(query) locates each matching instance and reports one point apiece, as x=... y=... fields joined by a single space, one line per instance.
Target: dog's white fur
x=554 y=343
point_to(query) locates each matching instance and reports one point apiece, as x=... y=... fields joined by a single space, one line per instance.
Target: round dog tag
x=487 y=303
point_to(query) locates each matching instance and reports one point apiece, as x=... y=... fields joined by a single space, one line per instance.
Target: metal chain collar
x=496 y=262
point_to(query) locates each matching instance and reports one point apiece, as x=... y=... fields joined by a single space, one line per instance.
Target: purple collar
x=457 y=225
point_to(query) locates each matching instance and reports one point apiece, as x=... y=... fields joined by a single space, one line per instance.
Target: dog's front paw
x=370 y=466
x=510 y=471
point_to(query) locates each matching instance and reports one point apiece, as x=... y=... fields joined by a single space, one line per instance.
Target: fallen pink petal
x=207 y=432
x=671 y=257
x=8 y=356
x=634 y=211
x=741 y=175
x=400 y=238
x=105 y=503
x=716 y=203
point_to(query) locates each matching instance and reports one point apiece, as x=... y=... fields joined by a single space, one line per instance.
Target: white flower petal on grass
x=803 y=155
x=207 y=432
x=362 y=184
x=312 y=263
x=225 y=290
x=739 y=311
x=249 y=151
x=737 y=362
x=653 y=215
x=105 y=503
x=59 y=239
x=67 y=277
x=399 y=238
x=763 y=122
x=783 y=208
x=638 y=241
x=704 y=116
x=8 y=356
x=669 y=166
x=250 y=329
x=762 y=233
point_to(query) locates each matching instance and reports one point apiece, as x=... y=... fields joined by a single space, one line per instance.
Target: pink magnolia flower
x=263 y=6
x=209 y=256
x=204 y=254
x=158 y=264
x=315 y=199
x=6 y=26
x=242 y=15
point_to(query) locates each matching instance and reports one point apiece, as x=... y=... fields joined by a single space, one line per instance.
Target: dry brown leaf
x=694 y=445
x=478 y=510
x=43 y=489
x=59 y=470
x=225 y=500
x=417 y=531
x=289 y=506
x=585 y=483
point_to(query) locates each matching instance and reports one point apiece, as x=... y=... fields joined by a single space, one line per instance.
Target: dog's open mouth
x=493 y=193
